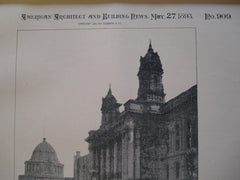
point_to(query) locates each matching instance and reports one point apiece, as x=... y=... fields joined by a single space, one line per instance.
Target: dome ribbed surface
x=44 y=152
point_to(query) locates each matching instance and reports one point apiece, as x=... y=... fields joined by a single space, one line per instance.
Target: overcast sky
x=63 y=75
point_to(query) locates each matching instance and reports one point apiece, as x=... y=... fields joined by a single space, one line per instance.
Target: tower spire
x=109 y=91
x=150 y=46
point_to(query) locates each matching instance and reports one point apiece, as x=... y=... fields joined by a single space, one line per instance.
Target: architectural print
x=150 y=140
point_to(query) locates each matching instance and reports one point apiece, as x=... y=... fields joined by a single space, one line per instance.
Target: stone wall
x=82 y=167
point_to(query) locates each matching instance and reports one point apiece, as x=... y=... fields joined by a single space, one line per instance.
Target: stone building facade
x=151 y=139
x=82 y=165
x=43 y=164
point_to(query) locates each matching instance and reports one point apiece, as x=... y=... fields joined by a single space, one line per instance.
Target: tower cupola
x=110 y=109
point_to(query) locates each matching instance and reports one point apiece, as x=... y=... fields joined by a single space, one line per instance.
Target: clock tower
x=150 y=78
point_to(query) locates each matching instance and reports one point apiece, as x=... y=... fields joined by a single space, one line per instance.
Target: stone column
x=119 y=157
x=115 y=160
x=98 y=165
x=130 y=152
x=171 y=141
x=182 y=135
x=102 y=164
x=137 y=153
x=126 y=153
x=123 y=157
x=111 y=160
x=107 y=162
x=91 y=157
x=94 y=159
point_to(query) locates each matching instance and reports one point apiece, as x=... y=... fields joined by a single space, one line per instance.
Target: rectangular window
x=177 y=129
x=177 y=145
x=177 y=170
x=167 y=171
x=188 y=136
x=167 y=146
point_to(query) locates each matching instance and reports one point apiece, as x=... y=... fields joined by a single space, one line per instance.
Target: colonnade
x=43 y=169
x=119 y=158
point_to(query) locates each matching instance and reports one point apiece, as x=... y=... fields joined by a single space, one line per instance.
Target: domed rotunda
x=43 y=164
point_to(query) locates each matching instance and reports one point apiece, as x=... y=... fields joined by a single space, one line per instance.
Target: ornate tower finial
x=109 y=91
x=44 y=128
x=44 y=139
x=150 y=49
